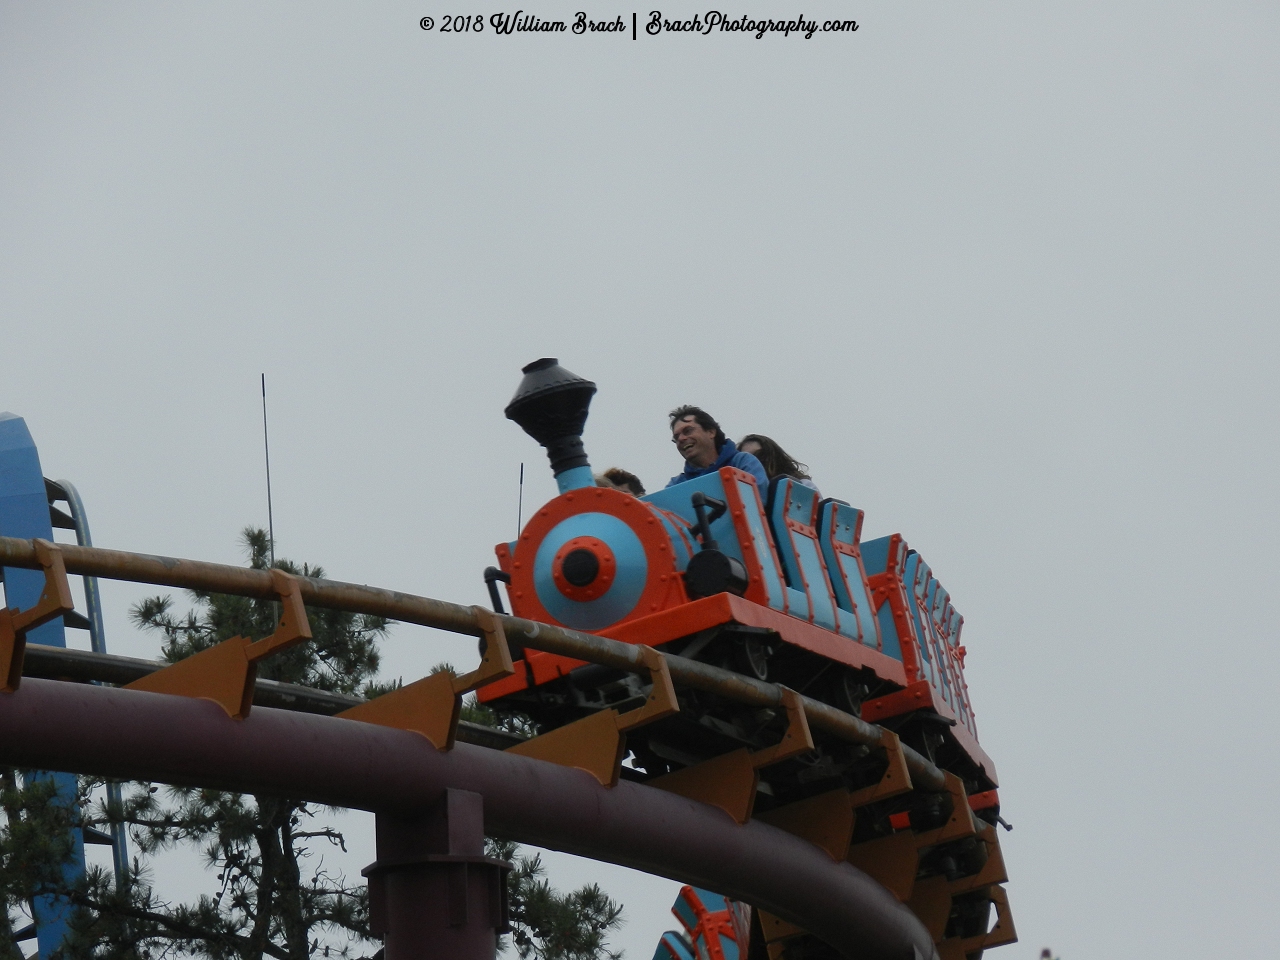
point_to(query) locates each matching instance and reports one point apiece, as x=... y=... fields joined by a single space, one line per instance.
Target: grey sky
x=997 y=272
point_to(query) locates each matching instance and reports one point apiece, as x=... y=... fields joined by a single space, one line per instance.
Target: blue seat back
x=947 y=623
x=730 y=528
x=878 y=556
x=954 y=624
x=706 y=915
x=934 y=599
x=914 y=578
x=928 y=624
x=793 y=517
x=938 y=601
x=839 y=532
x=673 y=946
x=685 y=913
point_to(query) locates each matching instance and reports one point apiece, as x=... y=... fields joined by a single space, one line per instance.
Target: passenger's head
x=624 y=480
x=696 y=435
x=776 y=461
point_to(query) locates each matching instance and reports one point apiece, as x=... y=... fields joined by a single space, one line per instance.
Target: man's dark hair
x=701 y=418
x=625 y=480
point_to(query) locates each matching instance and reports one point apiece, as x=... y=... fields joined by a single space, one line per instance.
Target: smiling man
x=706 y=449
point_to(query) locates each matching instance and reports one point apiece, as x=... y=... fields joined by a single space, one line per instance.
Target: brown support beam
x=128 y=734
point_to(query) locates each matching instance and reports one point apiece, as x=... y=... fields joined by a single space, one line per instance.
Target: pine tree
x=34 y=843
x=274 y=896
x=549 y=925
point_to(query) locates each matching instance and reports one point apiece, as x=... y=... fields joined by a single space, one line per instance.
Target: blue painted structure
x=26 y=512
x=673 y=946
x=804 y=555
x=677 y=500
x=839 y=532
x=709 y=931
x=65 y=490
x=600 y=560
x=793 y=510
x=575 y=478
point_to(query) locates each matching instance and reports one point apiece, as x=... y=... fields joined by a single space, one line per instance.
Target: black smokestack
x=551 y=406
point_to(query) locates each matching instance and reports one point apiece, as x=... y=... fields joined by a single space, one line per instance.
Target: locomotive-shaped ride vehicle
x=774 y=584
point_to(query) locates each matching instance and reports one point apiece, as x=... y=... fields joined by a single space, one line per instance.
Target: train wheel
x=751 y=656
x=849 y=691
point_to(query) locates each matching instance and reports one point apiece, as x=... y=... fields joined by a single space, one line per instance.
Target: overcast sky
x=1003 y=275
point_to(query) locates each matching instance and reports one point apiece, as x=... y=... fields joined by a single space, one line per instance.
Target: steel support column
x=433 y=894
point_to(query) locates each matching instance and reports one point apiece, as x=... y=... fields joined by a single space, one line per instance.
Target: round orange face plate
x=630 y=533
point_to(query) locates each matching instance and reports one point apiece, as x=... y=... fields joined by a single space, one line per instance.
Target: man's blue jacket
x=729 y=456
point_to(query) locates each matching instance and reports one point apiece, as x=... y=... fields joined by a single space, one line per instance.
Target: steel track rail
x=442 y=615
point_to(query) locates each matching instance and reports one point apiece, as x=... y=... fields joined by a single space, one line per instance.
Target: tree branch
x=175 y=929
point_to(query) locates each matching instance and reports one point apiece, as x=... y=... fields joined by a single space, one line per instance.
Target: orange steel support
x=895 y=780
x=55 y=600
x=827 y=821
x=729 y=781
x=226 y=673
x=894 y=861
x=596 y=743
x=432 y=706
x=1003 y=932
x=922 y=695
x=985 y=882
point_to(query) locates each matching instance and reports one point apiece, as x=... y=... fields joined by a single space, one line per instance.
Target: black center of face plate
x=581 y=567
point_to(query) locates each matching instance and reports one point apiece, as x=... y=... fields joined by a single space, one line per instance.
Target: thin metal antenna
x=520 y=505
x=266 y=448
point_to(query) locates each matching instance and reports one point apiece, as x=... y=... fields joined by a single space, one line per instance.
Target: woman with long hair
x=776 y=461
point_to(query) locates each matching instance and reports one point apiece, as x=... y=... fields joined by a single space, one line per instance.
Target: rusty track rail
x=455 y=618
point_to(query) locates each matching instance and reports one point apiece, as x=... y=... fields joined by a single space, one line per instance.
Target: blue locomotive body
x=781 y=573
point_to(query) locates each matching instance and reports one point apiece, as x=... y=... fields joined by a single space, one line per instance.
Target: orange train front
x=775 y=584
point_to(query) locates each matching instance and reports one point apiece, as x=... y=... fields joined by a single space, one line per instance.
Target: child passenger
x=620 y=479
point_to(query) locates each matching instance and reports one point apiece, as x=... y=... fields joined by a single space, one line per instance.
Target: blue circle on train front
x=628 y=582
